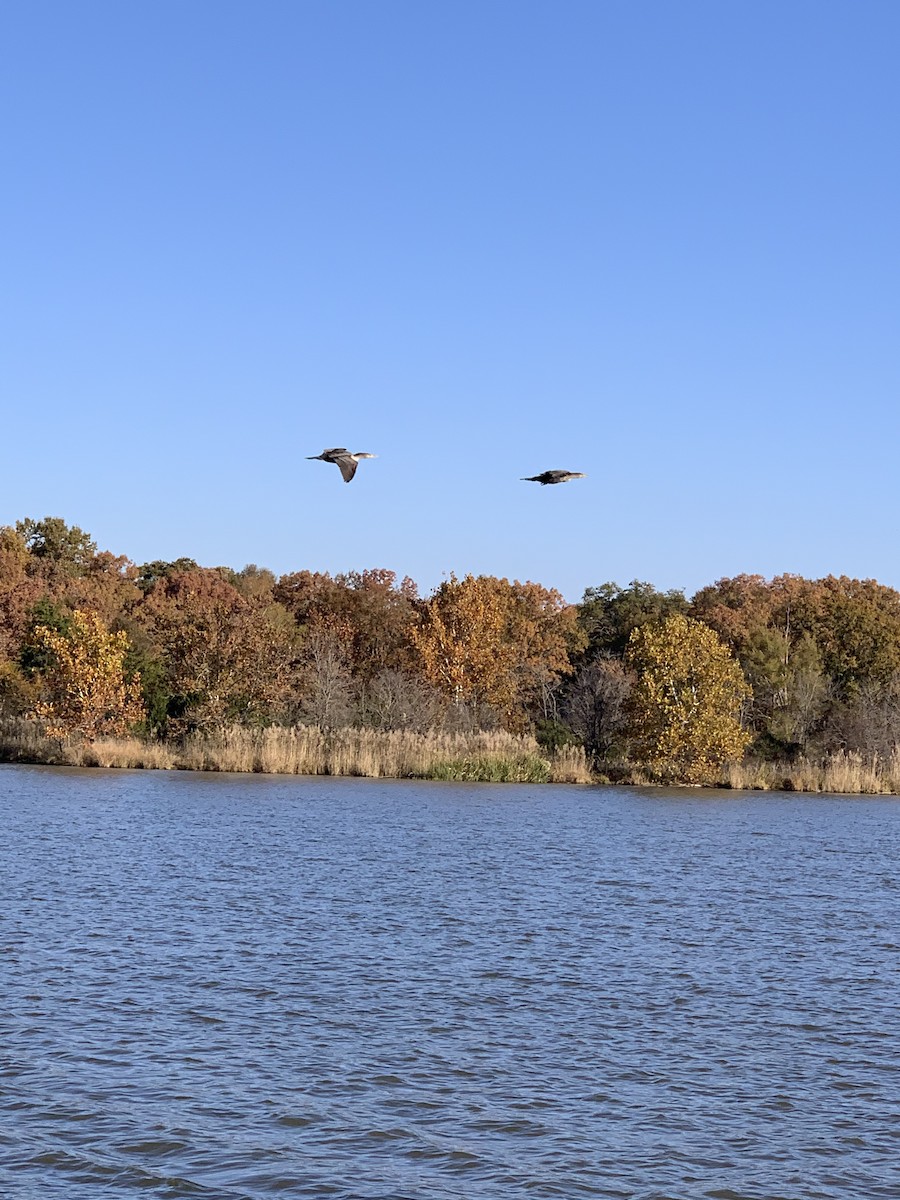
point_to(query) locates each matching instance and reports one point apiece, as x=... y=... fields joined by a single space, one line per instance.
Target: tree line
x=92 y=644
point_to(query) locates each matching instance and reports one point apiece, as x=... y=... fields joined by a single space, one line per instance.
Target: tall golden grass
x=309 y=750
x=844 y=773
x=486 y=756
x=25 y=741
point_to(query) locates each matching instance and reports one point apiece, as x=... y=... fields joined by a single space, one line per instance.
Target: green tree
x=789 y=684
x=609 y=613
x=66 y=548
x=858 y=630
x=686 y=701
x=36 y=654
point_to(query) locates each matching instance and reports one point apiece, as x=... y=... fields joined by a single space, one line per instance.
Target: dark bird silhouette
x=346 y=462
x=546 y=477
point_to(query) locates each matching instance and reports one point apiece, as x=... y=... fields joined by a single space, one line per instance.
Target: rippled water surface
x=240 y=987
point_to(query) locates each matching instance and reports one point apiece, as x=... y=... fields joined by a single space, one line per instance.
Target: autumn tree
x=254 y=583
x=85 y=688
x=736 y=608
x=150 y=573
x=376 y=609
x=490 y=644
x=226 y=659
x=686 y=701
x=460 y=643
x=382 y=614
x=545 y=635
x=48 y=565
x=107 y=585
x=805 y=644
x=19 y=592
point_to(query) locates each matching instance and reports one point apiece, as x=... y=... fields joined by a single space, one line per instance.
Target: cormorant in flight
x=546 y=477
x=346 y=462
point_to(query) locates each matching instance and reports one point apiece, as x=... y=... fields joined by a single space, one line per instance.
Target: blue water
x=237 y=987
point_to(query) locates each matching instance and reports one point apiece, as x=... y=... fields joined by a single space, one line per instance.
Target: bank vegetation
x=751 y=683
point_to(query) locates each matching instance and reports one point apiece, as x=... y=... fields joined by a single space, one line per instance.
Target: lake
x=237 y=987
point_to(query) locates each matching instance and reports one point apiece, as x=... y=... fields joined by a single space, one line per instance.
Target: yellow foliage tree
x=686 y=703
x=85 y=690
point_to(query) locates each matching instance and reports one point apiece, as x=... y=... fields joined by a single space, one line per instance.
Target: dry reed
x=394 y=754
x=570 y=765
x=122 y=752
x=309 y=750
x=493 y=756
x=844 y=772
x=25 y=741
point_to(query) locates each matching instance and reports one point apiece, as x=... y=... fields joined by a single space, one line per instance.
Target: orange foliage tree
x=226 y=658
x=19 y=591
x=375 y=611
x=486 y=642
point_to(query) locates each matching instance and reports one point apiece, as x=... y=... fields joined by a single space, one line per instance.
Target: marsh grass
x=130 y=753
x=25 y=741
x=399 y=754
x=844 y=773
x=491 y=757
x=569 y=764
x=526 y=768
x=308 y=750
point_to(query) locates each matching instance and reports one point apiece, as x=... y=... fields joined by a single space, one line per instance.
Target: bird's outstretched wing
x=347 y=465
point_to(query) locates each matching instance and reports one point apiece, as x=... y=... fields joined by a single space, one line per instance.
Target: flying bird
x=346 y=462
x=546 y=477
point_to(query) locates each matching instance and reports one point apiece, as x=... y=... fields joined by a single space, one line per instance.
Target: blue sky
x=653 y=241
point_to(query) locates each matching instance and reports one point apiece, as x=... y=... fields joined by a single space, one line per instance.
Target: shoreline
x=489 y=757
x=480 y=757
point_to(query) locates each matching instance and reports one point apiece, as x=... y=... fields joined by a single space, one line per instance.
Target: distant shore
x=480 y=757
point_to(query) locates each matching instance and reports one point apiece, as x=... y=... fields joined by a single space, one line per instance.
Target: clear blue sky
x=656 y=242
